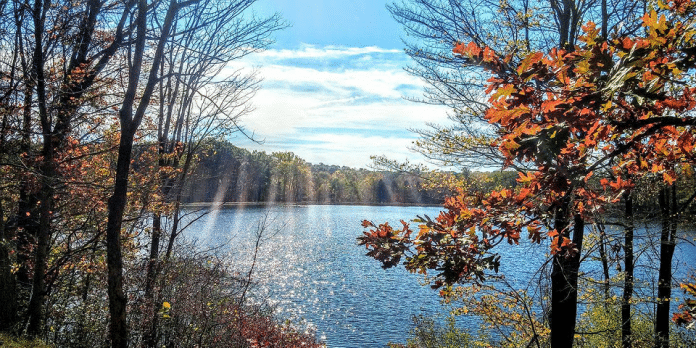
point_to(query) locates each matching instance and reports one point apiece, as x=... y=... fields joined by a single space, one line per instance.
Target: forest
x=104 y=106
x=225 y=173
x=594 y=111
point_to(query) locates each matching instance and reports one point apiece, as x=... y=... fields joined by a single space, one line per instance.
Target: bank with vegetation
x=103 y=108
x=225 y=173
x=592 y=104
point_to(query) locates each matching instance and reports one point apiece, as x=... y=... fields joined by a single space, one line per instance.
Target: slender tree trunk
x=175 y=231
x=26 y=206
x=526 y=25
x=664 y=281
x=130 y=122
x=118 y=330
x=563 y=12
x=83 y=323
x=627 y=341
x=8 y=285
x=38 y=293
x=166 y=100
x=564 y=283
x=150 y=336
x=605 y=264
x=605 y=20
x=35 y=311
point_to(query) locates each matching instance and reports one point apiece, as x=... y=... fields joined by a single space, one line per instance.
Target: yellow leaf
x=505 y=91
x=668 y=177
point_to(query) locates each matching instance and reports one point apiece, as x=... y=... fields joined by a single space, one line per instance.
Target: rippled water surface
x=312 y=269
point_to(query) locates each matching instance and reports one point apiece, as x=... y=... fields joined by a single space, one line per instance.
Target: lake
x=311 y=268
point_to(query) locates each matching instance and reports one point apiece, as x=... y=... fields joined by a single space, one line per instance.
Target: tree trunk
x=118 y=330
x=605 y=265
x=564 y=284
x=26 y=206
x=626 y=339
x=130 y=122
x=563 y=11
x=164 y=122
x=8 y=286
x=605 y=20
x=150 y=335
x=38 y=293
x=9 y=307
x=664 y=281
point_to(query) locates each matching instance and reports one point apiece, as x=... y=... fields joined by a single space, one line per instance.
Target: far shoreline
x=218 y=205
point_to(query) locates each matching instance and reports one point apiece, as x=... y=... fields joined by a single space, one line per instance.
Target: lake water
x=311 y=268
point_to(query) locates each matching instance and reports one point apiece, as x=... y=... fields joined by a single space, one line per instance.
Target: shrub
x=428 y=334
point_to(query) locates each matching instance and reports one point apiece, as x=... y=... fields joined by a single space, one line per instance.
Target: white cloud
x=337 y=105
x=373 y=82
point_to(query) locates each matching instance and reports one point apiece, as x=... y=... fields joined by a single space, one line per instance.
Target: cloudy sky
x=333 y=85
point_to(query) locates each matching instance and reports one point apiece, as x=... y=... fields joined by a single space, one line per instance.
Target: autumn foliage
x=687 y=310
x=82 y=177
x=587 y=120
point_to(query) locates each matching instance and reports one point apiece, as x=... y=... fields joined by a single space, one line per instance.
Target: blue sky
x=333 y=85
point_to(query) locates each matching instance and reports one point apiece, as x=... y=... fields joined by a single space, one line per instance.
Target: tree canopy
x=607 y=110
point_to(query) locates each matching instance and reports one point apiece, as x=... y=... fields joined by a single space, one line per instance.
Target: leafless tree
x=200 y=95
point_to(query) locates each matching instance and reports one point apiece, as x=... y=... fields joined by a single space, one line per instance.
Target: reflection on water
x=311 y=268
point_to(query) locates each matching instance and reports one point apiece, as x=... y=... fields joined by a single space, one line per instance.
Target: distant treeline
x=226 y=173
